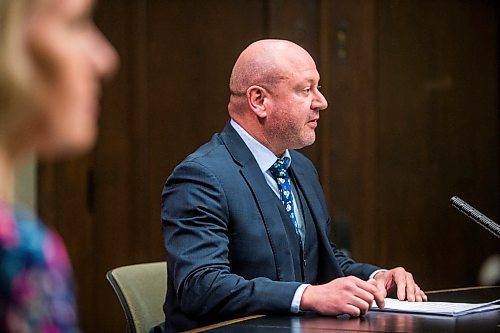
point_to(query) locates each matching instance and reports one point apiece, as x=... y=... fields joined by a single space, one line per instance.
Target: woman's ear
x=258 y=98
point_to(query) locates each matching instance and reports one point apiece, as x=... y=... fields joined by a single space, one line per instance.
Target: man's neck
x=260 y=137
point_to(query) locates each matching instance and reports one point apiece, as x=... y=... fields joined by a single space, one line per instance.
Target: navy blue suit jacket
x=228 y=254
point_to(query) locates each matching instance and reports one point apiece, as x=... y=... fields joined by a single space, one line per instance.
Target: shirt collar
x=264 y=157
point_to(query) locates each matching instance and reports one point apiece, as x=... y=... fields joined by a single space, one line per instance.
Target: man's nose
x=320 y=101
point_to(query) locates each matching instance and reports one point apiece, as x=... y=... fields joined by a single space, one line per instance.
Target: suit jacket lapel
x=266 y=202
x=304 y=182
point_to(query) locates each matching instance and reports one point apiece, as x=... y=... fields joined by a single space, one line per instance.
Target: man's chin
x=305 y=143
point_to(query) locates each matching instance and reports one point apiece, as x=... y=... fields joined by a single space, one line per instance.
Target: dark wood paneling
x=116 y=163
x=437 y=135
x=349 y=140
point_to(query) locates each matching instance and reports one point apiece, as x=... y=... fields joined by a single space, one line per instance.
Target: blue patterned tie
x=278 y=170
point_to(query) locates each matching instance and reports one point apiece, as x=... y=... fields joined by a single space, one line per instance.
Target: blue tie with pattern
x=279 y=172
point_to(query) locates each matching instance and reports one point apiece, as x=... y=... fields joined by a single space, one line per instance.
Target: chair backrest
x=141 y=291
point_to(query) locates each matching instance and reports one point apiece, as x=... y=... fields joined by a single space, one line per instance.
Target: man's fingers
x=421 y=295
x=367 y=292
x=400 y=279
x=410 y=288
x=373 y=282
x=381 y=292
x=380 y=297
x=352 y=311
x=380 y=302
x=368 y=286
x=362 y=305
x=364 y=295
x=418 y=294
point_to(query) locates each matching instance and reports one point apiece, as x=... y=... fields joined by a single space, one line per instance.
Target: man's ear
x=258 y=98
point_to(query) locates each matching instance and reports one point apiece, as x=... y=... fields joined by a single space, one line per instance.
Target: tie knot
x=278 y=169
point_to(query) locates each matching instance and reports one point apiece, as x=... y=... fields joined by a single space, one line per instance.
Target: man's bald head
x=274 y=95
x=265 y=63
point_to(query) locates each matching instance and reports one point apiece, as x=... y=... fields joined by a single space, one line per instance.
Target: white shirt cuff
x=295 y=308
x=375 y=273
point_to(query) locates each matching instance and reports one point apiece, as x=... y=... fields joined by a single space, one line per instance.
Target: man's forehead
x=301 y=63
x=304 y=75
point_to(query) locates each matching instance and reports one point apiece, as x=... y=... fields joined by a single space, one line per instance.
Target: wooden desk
x=378 y=321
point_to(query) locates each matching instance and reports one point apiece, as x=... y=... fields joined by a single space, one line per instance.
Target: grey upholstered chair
x=141 y=291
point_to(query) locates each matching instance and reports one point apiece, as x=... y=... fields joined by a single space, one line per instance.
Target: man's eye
x=307 y=90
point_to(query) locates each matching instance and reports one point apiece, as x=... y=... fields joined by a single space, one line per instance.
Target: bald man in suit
x=240 y=240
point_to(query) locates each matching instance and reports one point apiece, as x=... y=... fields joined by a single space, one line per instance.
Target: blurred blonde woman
x=52 y=59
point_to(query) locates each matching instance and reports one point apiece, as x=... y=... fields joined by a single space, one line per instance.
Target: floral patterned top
x=36 y=287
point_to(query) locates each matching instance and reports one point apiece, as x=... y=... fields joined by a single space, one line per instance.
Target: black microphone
x=475 y=215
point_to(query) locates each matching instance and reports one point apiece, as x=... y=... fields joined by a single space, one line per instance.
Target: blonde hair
x=14 y=68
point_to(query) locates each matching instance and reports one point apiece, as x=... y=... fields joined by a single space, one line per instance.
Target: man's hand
x=347 y=295
x=402 y=281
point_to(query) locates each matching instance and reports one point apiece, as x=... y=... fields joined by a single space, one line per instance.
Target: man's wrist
x=372 y=275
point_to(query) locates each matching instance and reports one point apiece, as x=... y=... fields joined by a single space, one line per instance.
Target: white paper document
x=436 y=308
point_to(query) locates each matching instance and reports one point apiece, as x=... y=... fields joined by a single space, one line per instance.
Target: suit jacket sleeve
x=195 y=228
x=350 y=267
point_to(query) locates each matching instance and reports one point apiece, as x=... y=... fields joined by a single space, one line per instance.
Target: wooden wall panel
x=348 y=139
x=438 y=135
x=118 y=234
